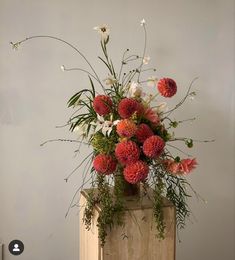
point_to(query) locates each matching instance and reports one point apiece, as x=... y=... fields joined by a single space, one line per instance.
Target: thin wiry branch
x=183 y=100
x=189 y=155
x=67 y=178
x=62 y=140
x=63 y=41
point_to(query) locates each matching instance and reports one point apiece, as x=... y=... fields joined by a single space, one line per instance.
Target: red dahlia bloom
x=143 y=132
x=127 y=152
x=167 y=87
x=102 y=105
x=153 y=146
x=128 y=106
x=126 y=128
x=104 y=164
x=136 y=172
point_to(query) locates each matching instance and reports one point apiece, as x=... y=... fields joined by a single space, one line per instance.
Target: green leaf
x=76 y=96
x=74 y=99
x=92 y=86
x=110 y=70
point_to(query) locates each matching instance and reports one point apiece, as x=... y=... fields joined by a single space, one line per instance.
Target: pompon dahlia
x=102 y=105
x=167 y=87
x=128 y=106
x=136 y=172
x=104 y=164
x=126 y=128
x=127 y=152
x=153 y=146
x=143 y=132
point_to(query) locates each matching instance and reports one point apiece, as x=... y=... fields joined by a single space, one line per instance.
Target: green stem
x=67 y=43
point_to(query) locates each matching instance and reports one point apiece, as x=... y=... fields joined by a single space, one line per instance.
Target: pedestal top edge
x=134 y=202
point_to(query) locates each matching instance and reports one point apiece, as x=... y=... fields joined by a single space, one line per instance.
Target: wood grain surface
x=136 y=240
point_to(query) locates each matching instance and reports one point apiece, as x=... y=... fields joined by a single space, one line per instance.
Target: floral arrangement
x=131 y=134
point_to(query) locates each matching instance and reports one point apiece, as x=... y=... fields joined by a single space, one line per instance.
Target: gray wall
x=187 y=38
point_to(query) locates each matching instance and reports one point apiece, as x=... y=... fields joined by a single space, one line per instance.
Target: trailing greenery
x=111 y=204
x=176 y=192
x=158 y=212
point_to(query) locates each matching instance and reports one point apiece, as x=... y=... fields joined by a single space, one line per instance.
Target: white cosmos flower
x=135 y=90
x=105 y=126
x=103 y=30
x=151 y=82
x=161 y=108
x=146 y=60
x=110 y=80
x=142 y=22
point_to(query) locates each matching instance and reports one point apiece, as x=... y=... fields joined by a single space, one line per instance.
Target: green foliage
x=103 y=144
x=106 y=216
x=119 y=197
x=89 y=210
x=177 y=194
x=158 y=209
x=111 y=205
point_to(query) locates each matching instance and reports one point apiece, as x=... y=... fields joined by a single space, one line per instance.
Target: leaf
x=110 y=70
x=92 y=86
x=74 y=99
x=76 y=96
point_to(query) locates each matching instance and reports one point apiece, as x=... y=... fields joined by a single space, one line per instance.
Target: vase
x=127 y=188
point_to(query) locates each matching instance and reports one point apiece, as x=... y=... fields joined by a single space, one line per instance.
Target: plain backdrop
x=186 y=39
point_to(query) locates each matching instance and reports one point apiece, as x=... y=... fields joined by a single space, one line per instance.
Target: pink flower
x=187 y=165
x=172 y=166
x=152 y=116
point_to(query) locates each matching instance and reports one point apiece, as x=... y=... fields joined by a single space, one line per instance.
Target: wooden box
x=136 y=240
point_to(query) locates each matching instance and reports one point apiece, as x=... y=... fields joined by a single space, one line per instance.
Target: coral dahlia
x=128 y=106
x=104 y=164
x=126 y=128
x=127 y=152
x=167 y=87
x=102 y=105
x=136 y=172
x=172 y=166
x=143 y=132
x=153 y=146
x=187 y=165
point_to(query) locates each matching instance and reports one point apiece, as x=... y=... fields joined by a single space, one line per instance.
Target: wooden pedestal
x=136 y=240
